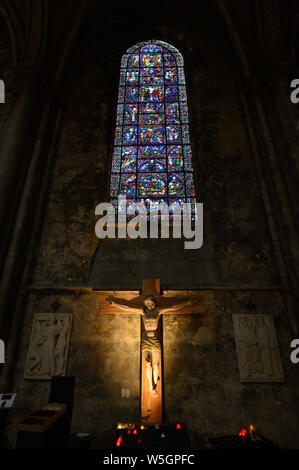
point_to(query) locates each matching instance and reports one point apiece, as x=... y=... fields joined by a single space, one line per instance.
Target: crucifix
x=151 y=305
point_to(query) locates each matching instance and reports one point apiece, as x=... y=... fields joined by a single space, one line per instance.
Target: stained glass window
x=152 y=151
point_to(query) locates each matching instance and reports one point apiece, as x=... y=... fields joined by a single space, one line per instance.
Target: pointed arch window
x=152 y=159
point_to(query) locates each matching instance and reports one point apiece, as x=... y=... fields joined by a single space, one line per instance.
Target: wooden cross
x=152 y=399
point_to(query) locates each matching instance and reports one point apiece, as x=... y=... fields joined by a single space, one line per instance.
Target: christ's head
x=149 y=302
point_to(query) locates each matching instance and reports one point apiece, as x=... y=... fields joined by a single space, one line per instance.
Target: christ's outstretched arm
x=178 y=306
x=122 y=305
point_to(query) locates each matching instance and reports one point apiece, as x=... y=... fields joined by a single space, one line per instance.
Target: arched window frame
x=118 y=174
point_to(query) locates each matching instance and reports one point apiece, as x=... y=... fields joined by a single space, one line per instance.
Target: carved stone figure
x=257 y=348
x=49 y=344
x=151 y=335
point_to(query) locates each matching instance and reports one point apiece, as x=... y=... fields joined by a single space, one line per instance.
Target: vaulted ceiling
x=42 y=31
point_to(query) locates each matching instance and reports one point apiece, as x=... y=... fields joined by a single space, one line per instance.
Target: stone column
x=270 y=151
x=15 y=150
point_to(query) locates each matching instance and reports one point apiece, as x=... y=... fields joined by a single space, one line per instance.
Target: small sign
x=7 y=399
x=2 y=92
x=2 y=352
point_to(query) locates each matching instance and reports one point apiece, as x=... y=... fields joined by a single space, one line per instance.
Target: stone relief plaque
x=49 y=346
x=257 y=348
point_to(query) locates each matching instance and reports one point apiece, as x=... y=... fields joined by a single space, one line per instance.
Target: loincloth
x=150 y=344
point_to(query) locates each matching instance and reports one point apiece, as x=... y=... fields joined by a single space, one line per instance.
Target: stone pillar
x=15 y=151
x=270 y=151
x=278 y=126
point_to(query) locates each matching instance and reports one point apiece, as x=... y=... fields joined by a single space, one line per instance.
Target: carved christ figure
x=151 y=337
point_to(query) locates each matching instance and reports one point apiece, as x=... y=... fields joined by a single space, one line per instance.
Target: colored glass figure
x=130 y=114
x=151 y=81
x=128 y=185
x=171 y=93
x=170 y=76
x=154 y=203
x=131 y=94
x=151 y=93
x=133 y=60
x=129 y=158
x=173 y=134
x=152 y=158
x=175 y=185
x=151 y=119
x=151 y=166
x=151 y=107
x=151 y=59
x=151 y=72
x=152 y=185
x=169 y=60
x=132 y=77
x=172 y=113
x=151 y=135
x=152 y=151
x=175 y=158
x=130 y=135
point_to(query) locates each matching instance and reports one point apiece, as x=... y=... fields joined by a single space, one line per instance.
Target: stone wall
x=201 y=373
x=202 y=385
x=237 y=247
x=104 y=357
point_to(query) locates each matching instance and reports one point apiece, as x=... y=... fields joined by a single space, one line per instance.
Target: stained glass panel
x=151 y=151
x=152 y=159
x=152 y=185
x=129 y=158
x=128 y=185
x=176 y=185
x=150 y=165
x=175 y=158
